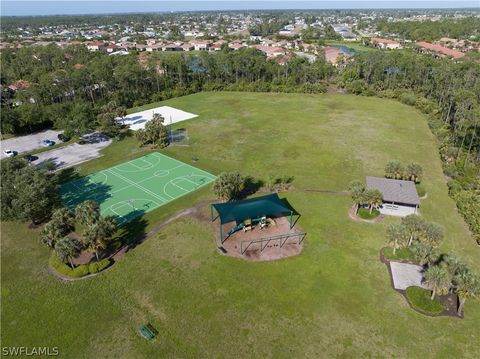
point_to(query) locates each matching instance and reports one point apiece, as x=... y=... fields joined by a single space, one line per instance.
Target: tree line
x=466 y=28
x=69 y=87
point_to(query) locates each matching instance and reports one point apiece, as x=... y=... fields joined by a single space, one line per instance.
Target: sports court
x=128 y=190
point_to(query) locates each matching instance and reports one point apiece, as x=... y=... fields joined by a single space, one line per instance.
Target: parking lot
x=75 y=153
x=28 y=143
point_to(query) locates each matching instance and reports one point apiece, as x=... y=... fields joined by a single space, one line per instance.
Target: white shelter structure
x=136 y=121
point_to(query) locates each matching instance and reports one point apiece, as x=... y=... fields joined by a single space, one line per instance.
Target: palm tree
x=394 y=169
x=424 y=253
x=454 y=264
x=397 y=238
x=356 y=189
x=432 y=233
x=96 y=235
x=50 y=234
x=414 y=226
x=87 y=212
x=413 y=172
x=375 y=199
x=64 y=219
x=67 y=249
x=439 y=279
x=466 y=285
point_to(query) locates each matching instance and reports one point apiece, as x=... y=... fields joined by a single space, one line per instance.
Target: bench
x=147 y=331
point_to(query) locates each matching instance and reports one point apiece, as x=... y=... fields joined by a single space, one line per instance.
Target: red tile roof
x=440 y=49
x=379 y=40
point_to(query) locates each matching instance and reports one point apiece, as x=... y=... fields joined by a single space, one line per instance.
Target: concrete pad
x=28 y=143
x=74 y=154
x=406 y=275
x=137 y=120
x=397 y=210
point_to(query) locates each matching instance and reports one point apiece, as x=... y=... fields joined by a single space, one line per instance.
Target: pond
x=345 y=49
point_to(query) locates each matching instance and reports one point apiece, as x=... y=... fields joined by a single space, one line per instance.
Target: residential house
x=385 y=43
x=438 y=50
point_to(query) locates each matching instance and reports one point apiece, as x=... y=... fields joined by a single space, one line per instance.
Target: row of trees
x=444 y=273
x=414 y=232
x=232 y=185
x=372 y=198
x=411 y=172
x=97 y=230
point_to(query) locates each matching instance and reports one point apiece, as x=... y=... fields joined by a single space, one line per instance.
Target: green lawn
x=421 y=300
x=334 y=300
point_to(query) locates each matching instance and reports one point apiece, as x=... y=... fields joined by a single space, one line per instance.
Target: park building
x=400 y=198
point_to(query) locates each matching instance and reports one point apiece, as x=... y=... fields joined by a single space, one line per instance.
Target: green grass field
x=333 y=301
x=128 y=190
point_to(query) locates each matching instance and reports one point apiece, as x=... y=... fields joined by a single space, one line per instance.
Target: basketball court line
x=138 y=186
x=87 y=191
x=209 y=175
x=99 y=191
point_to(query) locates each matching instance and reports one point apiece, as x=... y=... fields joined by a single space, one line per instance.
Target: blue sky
x=41 y=7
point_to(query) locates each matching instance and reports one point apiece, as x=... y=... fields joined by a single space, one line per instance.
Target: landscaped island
x=334 y=299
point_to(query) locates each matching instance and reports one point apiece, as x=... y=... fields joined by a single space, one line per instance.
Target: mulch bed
x=271 y=250
x=449 y=301
x=353 y=215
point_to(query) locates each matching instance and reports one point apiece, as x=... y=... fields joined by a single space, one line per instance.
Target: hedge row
x=79 y=271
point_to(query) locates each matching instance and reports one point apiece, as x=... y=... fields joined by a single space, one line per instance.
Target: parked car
x=31 y=158
x=9 y=153
x=47 y=143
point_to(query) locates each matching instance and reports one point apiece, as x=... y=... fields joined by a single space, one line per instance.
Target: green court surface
x=128 y=190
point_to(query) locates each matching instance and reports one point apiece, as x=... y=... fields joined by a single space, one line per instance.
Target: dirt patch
x=286 y=242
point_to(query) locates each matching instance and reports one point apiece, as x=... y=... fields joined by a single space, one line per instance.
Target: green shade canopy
x=269 y=205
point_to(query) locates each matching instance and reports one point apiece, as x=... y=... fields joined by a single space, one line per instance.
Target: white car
x=9 y=153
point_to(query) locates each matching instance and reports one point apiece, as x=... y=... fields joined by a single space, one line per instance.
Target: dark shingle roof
x=395 y=190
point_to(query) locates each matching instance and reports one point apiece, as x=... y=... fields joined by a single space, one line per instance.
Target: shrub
x=357 y=87
x=364 y=213
x=419 y=299
x=57 y=264
x=96 y=267
x=408 y=98
x=79 y=271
